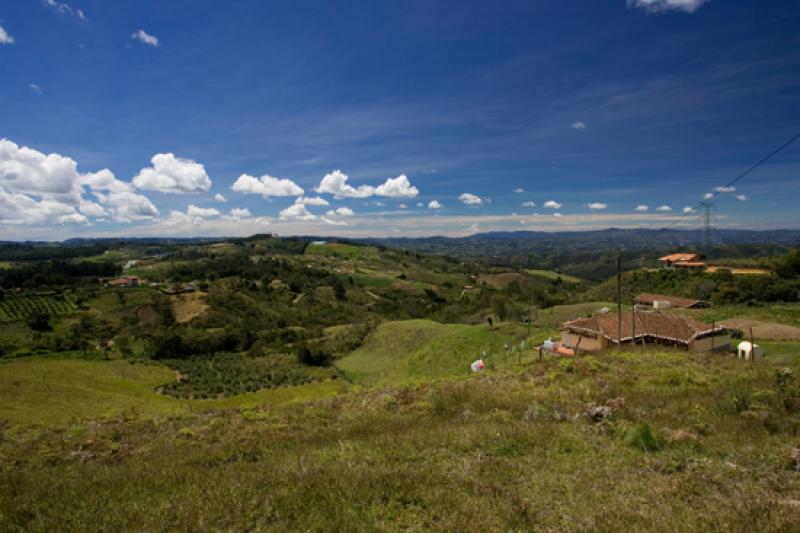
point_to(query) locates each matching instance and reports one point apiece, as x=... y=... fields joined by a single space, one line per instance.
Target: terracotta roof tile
x=671 y=328
x=673 y=258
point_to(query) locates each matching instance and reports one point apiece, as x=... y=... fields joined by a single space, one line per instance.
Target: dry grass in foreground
x=673 y=443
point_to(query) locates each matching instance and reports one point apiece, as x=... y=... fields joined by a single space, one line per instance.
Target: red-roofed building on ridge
x=124 y=281
x=682 y=260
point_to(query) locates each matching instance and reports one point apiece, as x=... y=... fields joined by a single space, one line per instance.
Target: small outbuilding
x=666 y=301
x=747 y=351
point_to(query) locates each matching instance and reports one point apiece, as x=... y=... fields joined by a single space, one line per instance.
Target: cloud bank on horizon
x=38 y=189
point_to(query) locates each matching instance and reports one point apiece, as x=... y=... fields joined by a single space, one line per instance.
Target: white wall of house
x=705 y=344
x=570 y=340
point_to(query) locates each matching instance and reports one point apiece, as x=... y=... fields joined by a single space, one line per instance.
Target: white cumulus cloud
x=742 y=197
x=641 y=208
x=145 y=38
x=664 y=208
x=38 y=188
x=398 y=187
x=519 y=190
x=316 y=200
x=219 y=198
x=597 y=205
x=64 y=8
x=688 y=209
x=335 y=183
x=552 y=204
x=657 y=6
x=434 y=204
x=528 y=204
x=202 y=212
x=127 y=206
x=333 y=222
x=18 y=209
x=5 y=37
x=470 y=199
x=174 y=175
x=578 y=126
x=240 y=212
x=340 y=211
x=266 y=186
x=36 y=88
x=296 y=212
x=725 y=188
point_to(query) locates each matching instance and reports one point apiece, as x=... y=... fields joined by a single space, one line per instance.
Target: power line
x=718 y=191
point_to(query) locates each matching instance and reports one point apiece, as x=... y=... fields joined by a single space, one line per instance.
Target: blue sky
x=132 y=118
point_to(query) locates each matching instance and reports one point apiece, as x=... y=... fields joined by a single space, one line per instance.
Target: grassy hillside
x=422 y=349
x=689 y=444
x=348 y=251
x=48 y=391
x=552 y=275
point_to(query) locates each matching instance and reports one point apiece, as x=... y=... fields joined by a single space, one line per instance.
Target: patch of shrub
x=233 y=373
x=642 y=438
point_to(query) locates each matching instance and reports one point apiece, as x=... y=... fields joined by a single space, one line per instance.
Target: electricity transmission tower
x=707 y=206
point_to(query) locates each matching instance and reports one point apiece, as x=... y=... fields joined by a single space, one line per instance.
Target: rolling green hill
x=553 y=275
x=407 y=350
x=47 y=391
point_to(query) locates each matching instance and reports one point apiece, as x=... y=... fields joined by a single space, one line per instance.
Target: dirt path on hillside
x=771 y=331
x=187 y=306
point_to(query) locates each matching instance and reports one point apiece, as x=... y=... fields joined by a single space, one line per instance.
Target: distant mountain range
x=505 y=242
x=611 y=237
x=592 y=255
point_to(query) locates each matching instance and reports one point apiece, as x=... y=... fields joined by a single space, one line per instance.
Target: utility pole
x=707 y=207
x=713 y=334
x=530 y=317
x=619 y=301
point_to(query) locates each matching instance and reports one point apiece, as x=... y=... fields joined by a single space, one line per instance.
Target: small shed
x=666 y=301
x=748 y=351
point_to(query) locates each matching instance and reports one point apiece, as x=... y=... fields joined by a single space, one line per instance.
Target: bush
x=642 y=438
x=314 y=356
x=40 y=321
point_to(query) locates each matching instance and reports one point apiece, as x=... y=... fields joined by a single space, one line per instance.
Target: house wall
x=570 y=340
x=705 y=344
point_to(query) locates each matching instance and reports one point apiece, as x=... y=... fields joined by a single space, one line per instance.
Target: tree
x=789 y=266
x=500 y=307
x=124 y=346
x=314 y=356
x=339 y=290
x=40 y=321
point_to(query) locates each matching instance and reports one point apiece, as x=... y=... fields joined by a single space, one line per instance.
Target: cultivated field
x=22 y=307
